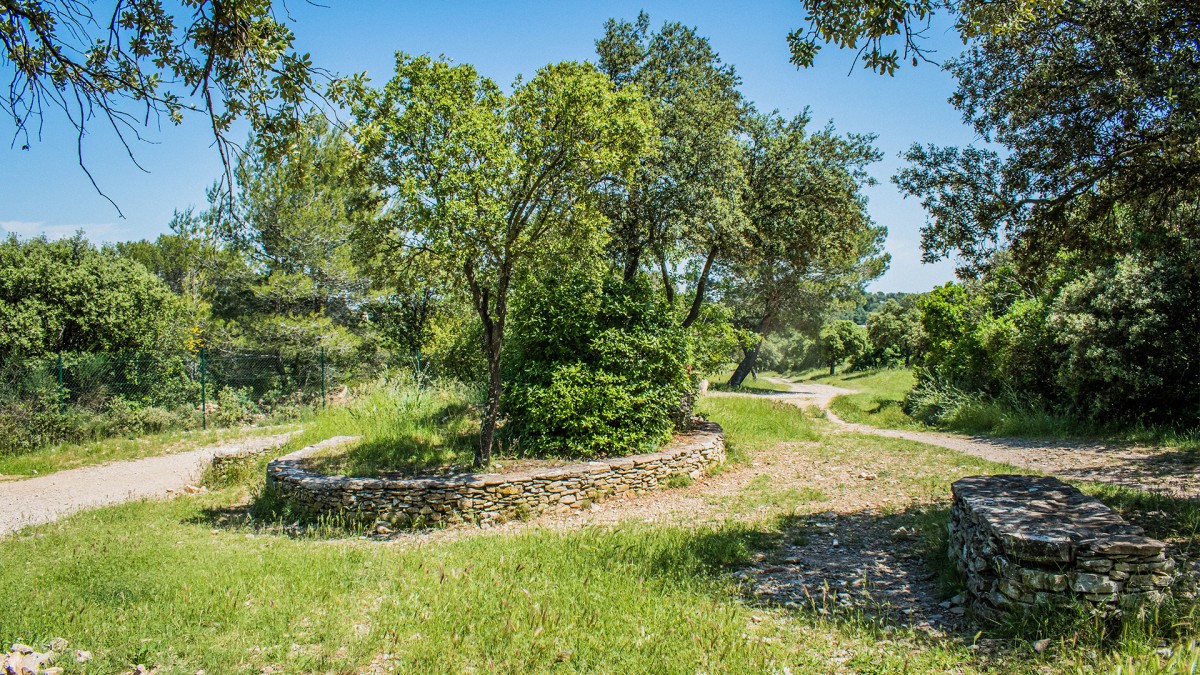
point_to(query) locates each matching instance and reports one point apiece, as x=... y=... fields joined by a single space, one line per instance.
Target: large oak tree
x=682 y=207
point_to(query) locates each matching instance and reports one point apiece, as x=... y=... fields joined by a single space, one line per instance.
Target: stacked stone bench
x=1025 y=541
x=492 y=497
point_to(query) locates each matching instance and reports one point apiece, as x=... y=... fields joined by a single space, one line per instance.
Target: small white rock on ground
x=47 y=498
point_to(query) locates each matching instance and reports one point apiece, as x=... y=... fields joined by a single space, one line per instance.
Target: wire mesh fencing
x=77 y=396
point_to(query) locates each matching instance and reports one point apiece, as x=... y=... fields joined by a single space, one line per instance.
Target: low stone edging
x=486 y=498
x=1024 y=541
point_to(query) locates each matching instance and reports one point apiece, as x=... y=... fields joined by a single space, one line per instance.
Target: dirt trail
x=48 y=498
x=1168 y=471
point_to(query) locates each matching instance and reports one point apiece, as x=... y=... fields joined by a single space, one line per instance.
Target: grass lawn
x=197 y=583
x=403 y=429
x=75 y=455
x=878 y=397
x=720 y=382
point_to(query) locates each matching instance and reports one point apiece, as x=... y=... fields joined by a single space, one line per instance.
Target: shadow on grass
x=890 y=571
x=438 y=443
x=1172 y=476
x=869 y=568
x=744 y=388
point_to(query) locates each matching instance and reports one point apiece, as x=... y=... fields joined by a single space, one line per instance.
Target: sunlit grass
x=74 y=455
x=196 y=583
x=752 y=425
x=752 y=384
x=404 y=429
x=877 y=398
x=170 y=584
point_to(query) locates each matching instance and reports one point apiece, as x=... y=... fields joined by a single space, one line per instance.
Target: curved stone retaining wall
x=487 y=498
x=1023 y=541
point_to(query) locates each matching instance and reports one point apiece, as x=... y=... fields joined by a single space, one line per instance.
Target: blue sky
x=42 y=190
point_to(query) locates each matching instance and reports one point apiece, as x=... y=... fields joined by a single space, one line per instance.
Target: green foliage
x=894 y=333
x=67 y=295
x=1116 y=344
x=284 y=281
x=809 y=239
x=488 y=187
x=955 y=350
x=1094 y=110
x=790 y=351
x=234 y=406
x=871 y=303
x=841 y=340
x=876 y=23
x=596 y=367
x=1132 y=338
x=154 y=60
x=682 y=201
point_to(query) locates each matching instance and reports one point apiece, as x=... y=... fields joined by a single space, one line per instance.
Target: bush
x=24 y=428
x=938 y=403
x=595 y=368
x=1116 y=344
x=1131 y=333
x=124 y=418
x=234 y=407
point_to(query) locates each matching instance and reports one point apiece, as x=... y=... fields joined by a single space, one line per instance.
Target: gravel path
x=48 y=498
x=1173 y=472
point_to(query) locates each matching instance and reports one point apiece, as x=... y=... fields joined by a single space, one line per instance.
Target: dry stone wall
x=487 y=498
x=1023 y=541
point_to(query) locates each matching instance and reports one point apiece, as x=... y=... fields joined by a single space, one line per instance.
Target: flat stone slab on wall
x=1023 y=541
x=485 y=498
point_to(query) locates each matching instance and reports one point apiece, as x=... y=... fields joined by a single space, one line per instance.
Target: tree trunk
x=701 y=284
x=746 y=366
x=491 y=410
x=668 y=283
x=633 y=261
x=832 y=365
x=493 y=335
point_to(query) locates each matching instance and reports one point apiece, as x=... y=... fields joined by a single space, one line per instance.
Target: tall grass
x=752 y=425
x=405 y=427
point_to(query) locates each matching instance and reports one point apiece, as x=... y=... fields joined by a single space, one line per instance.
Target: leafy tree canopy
x=841 y=340
x=873 y=27
x=1097 y=110
x=810 y=239
x=683 y=201
x=67 y=295
x=484 y=185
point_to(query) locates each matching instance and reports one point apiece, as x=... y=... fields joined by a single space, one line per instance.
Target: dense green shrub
x=67 y=295
x=595 y=367
x=1117 y=343
x=1131 y=334
x=24 y=427
x=234 y=407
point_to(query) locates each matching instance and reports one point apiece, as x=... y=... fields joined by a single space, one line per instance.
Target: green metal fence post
x=61 y=404
x=322 y=377
x=203 y=389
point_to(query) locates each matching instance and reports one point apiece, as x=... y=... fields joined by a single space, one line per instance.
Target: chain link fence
x=72 y=397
